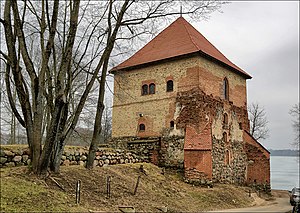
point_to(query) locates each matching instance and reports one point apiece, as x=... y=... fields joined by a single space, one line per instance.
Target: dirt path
x=279 y=204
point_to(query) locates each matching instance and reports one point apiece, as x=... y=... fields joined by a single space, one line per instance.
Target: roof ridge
x=188 y=32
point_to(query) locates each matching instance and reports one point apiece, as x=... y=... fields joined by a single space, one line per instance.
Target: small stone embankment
x=12 y=155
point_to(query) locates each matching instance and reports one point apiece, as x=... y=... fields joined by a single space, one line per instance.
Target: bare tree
x=295 y=113
x=258 y=122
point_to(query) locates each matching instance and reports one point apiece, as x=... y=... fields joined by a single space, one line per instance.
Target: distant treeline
x=284 y=152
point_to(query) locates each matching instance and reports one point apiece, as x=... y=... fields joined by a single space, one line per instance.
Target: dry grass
x=21 y=191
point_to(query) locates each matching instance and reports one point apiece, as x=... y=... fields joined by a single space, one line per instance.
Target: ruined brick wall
x=208 y=153
x=160 y=108
x=258 y=168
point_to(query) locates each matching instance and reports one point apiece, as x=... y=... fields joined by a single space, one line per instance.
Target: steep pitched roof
x=180 y=38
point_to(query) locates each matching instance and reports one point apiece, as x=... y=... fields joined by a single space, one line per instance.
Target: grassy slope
x=24 y=192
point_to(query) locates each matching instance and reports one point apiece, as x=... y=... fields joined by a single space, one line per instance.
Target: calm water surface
x=284 y=172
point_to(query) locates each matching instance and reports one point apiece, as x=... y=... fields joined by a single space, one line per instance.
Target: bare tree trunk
x=100 y=106
x=59 y=142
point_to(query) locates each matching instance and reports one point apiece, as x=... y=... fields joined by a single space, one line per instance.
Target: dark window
x=145 y=89
x=152 y=88
x=225 y=137
x=225 y=89
x=142 y=127
x=169 y=86
x=241 y=125
x=172 y=124
x=225 y=119
x=227 y=156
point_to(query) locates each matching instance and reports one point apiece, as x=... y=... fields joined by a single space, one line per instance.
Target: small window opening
x=241 y=125
x=142 y=127
x=225 y=119
x=225 y=137
x=145 y=89
x=226 y=157
x=172 y=124
x=152 y=88
x=225 y=89
x=169 y=86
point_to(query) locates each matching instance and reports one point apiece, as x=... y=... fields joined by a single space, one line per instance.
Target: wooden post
x=108 y=180
x=137 y=184
x=78 y=185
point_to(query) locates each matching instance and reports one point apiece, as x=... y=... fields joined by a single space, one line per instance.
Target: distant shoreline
x=285 y=152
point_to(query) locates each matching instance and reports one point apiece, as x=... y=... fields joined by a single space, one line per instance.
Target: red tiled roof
x=180 y=38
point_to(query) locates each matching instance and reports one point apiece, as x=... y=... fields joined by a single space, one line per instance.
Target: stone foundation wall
x=10 y=157
x=163 y=151
x=172 y=153
x=230 y=170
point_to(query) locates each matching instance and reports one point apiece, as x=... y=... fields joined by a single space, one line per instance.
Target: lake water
x=284 y=172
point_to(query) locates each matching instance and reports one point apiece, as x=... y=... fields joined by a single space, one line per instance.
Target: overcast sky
x=262 y=38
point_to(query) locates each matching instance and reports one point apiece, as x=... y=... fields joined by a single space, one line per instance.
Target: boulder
x=25 y=158
x=66 y=163
x=10 y=164
x=83 y=158
x=3 y=160
x=17 y=158
x=9 y=153
x=19 y=152
x=106 y=161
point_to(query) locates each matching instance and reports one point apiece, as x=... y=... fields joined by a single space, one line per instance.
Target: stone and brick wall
x=208 y=153
x=229 y=162
x=201 y=142
x=11 y=156
x=160 y=108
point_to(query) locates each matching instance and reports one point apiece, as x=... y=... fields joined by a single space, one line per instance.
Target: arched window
x=169 y=86
x=172 y=124
x=225 y=89
x=152 y=88
x=225 y=137
x=142 y=127
x=145 y=89
x=225 y=119
x=227 y=156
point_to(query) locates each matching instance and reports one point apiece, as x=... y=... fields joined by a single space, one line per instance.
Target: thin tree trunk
x=100 y=106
